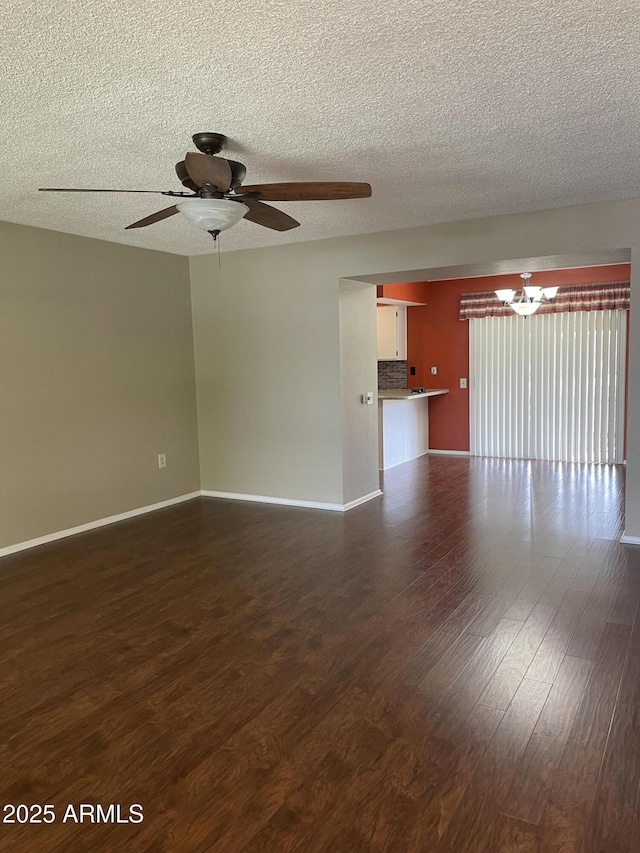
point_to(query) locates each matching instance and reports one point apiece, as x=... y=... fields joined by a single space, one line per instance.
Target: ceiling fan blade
x=270 y=217
x=207 y=169
x=83 y=190
x=322 y=191
x=183 y=175
x=155 y=217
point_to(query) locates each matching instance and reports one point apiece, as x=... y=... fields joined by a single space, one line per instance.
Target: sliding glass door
x=551 y=386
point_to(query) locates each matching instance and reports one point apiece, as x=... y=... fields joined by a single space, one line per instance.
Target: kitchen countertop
x=405 y=393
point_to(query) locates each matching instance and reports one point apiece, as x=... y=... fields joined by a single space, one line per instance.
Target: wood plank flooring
x=452 y=667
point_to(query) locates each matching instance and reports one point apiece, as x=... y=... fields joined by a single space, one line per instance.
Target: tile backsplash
x=392 y=374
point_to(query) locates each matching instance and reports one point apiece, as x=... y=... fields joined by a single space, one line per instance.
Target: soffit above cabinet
x=386 y=301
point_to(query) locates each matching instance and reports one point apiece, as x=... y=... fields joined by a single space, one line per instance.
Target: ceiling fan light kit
x=213 y=214
x=530 y=298
x=217 y=201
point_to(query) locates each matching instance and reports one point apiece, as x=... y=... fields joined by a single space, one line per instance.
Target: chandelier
x=526 y=301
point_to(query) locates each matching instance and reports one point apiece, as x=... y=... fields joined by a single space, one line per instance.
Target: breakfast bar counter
x=403 y=424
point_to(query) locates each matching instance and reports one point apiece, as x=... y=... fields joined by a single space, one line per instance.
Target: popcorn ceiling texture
x=452 y=110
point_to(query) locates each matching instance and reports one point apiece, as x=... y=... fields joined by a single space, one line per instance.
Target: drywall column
x=359 y=374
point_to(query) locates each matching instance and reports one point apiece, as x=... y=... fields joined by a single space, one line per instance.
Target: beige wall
x=267 y=349
x=96 y=379
x=286 y=440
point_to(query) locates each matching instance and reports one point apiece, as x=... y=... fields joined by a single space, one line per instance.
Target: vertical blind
x=548 y=387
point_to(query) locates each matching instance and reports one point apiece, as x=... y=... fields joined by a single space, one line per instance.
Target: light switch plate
x=463 y=383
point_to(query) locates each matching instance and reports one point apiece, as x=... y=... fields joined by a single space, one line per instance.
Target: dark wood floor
x=453 y=667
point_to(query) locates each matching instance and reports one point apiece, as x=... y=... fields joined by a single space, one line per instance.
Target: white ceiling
x=451 y=110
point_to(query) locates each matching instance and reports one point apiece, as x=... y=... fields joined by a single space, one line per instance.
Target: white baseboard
x=630 y=540
x=404 y=462
x=92 y=525
x=429 y=453
x=132 y=513
x=362 y=500
x=266 y=499
x=395 y=464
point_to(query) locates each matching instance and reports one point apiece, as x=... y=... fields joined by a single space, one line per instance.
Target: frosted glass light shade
x=525 y=309
x=533 y=292
x=212 y=214
x=505 y=295
x=550 y=292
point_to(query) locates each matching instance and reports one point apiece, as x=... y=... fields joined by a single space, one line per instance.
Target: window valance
x=580 y=297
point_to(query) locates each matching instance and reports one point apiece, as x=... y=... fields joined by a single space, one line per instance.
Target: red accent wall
x=436 y=337
x=411 y=291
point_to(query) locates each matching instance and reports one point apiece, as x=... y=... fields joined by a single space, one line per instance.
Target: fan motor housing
x=209 y=143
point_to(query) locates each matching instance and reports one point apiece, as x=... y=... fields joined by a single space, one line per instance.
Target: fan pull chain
x=215 y=235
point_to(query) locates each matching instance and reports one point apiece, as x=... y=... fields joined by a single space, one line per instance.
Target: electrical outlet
x=162 y=460
x=367 y=398
x=434 y=371
x=412 y=371
x=463 y=383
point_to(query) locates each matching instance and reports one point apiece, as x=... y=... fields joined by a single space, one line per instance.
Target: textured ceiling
x=451 y=110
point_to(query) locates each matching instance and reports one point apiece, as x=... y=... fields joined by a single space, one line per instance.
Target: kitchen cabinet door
x=392 y=332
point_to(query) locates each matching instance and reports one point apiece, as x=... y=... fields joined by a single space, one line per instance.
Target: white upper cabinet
x=392 y=332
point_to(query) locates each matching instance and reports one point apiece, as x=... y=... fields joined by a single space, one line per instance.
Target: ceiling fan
x=217 y=200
